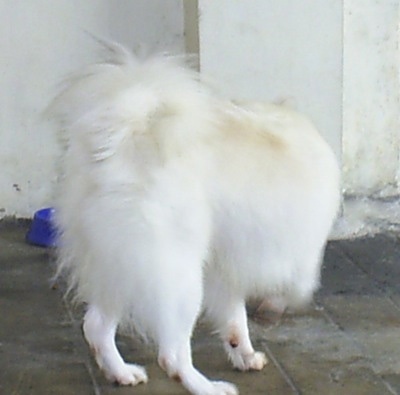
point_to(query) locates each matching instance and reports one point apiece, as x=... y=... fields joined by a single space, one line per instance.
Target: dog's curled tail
x=124 y=96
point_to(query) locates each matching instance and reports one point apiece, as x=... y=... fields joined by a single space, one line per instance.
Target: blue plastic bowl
x=42 y=231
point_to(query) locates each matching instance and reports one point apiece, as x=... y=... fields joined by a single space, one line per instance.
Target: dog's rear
x=172 y=200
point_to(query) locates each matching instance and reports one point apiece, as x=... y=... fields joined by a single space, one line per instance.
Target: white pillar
x=371 y=97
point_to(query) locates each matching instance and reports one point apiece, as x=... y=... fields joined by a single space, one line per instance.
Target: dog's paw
x=254 y=361
x=128 y=374
x=223 y=388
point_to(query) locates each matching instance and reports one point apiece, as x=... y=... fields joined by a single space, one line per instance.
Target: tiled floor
x=348 y=342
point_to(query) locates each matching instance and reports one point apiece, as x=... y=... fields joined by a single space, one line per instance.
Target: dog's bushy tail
x=124 y=96
x=119 y=119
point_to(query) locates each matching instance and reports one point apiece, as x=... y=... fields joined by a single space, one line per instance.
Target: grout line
x=392 y=302
x=281 y=369
x=324 y=311
x=96 y=387
x=321 y=308
x=387 y=296
x=80 y=344
x=389 y=387
x=376 y=283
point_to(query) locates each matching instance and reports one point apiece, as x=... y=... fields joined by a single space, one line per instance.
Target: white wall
x=268 y=50
x=149 y=25
x=40 y=42
x=338 y=61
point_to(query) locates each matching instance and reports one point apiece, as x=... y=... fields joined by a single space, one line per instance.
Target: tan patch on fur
x=176 y=378
x=233 y=339
x=248 y=131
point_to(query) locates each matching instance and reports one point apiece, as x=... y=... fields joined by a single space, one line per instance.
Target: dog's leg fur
x=176 y=361
x=228 y=313
x=100 y=332
x=235 y=335
x=175 y=330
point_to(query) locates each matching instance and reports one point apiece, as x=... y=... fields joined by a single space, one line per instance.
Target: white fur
x=173 y=200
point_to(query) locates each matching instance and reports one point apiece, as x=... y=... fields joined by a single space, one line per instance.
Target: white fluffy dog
x=175 y=202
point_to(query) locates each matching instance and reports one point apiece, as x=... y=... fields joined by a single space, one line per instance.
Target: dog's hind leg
x=227 y=311
x=176 y=361
x=176 y=321
x=99 y=332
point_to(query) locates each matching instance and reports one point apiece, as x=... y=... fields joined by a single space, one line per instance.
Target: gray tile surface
x=347 y=342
